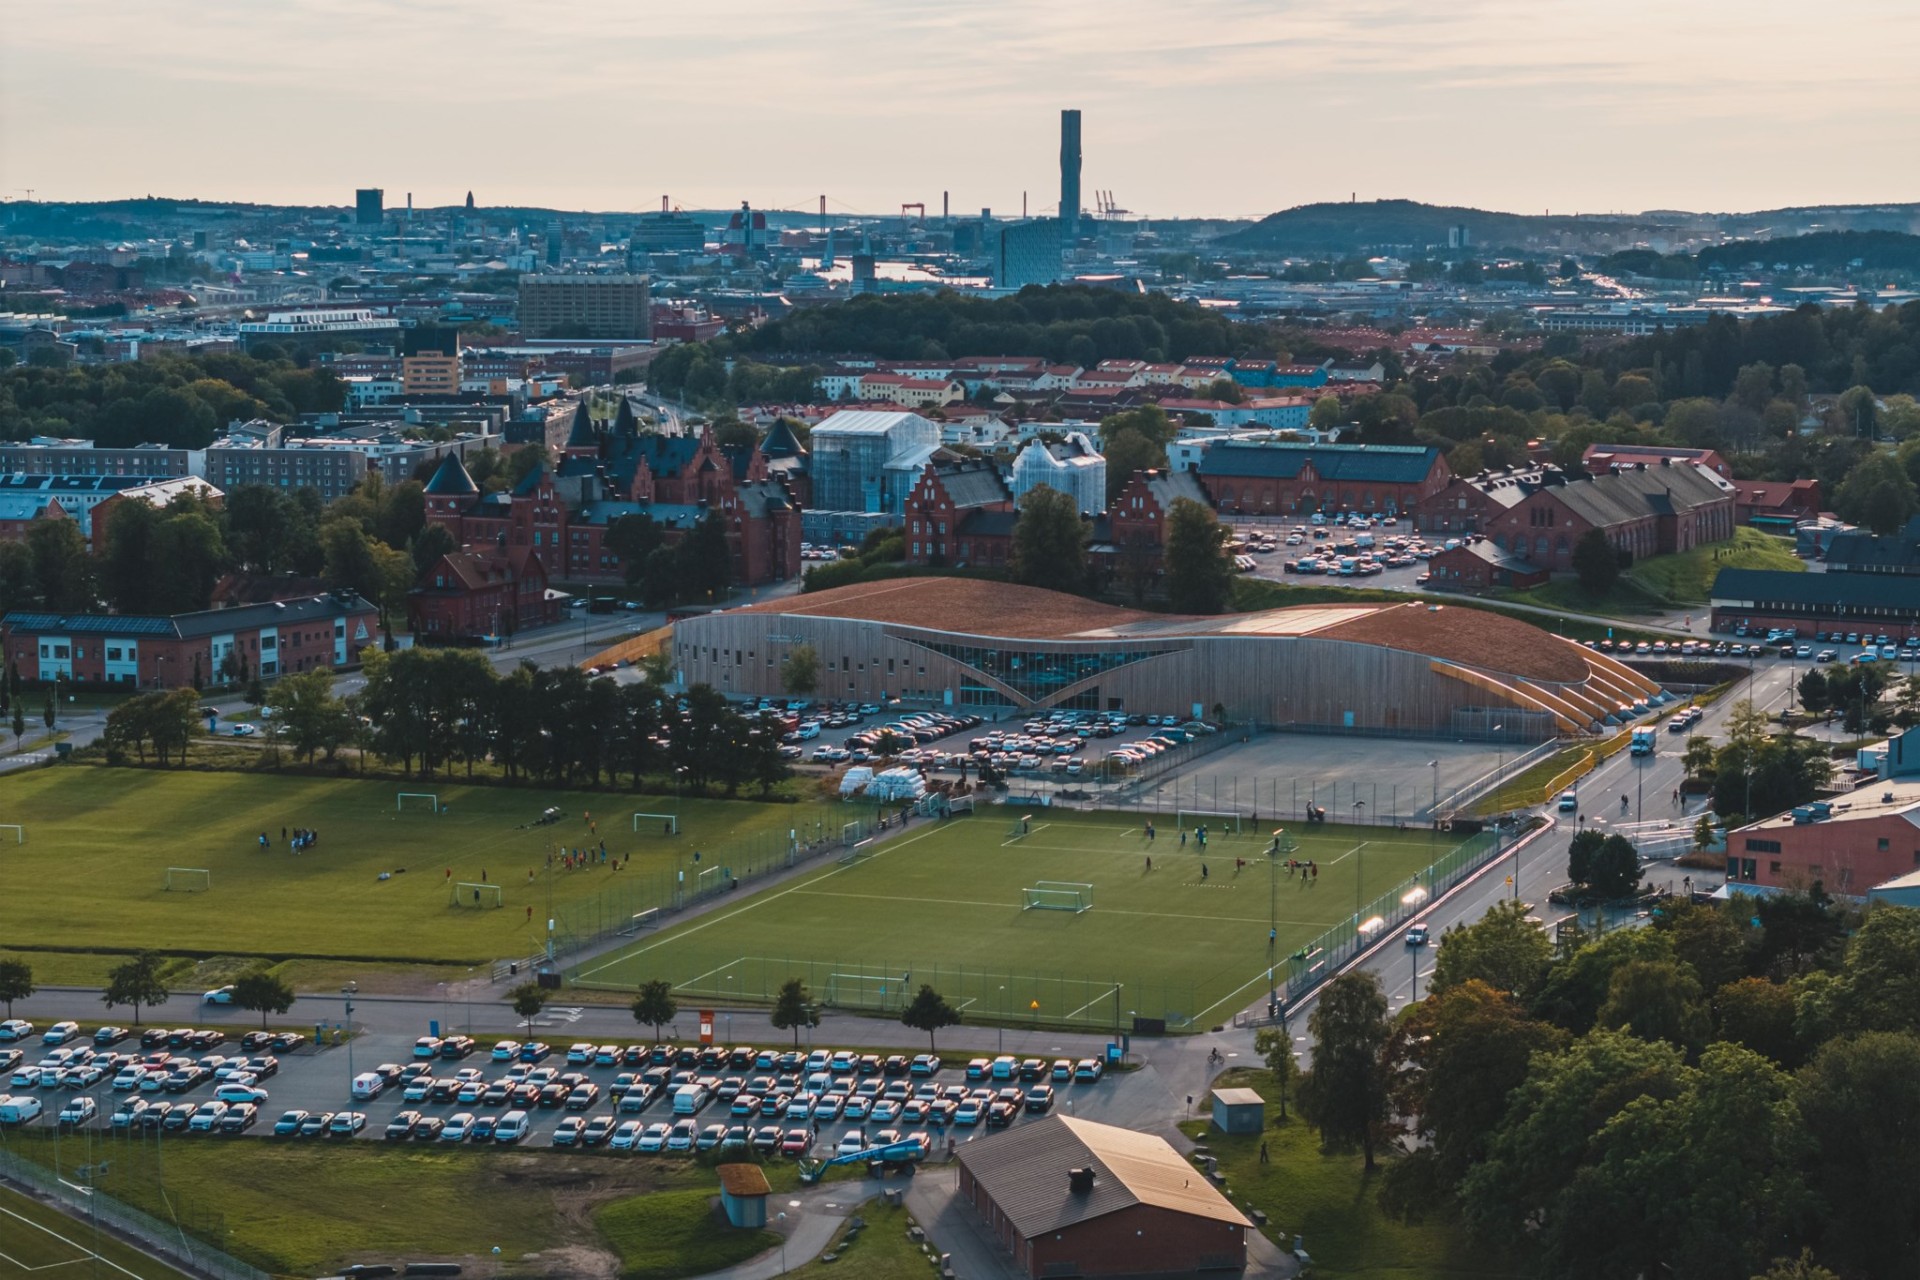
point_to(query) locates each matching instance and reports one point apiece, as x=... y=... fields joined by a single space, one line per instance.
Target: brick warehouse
x=1068 y=1197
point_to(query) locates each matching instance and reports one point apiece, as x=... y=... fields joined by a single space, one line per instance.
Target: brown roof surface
x=1472 y=637
x=1024 y=1170
x=960 y=604
x=743 y=1180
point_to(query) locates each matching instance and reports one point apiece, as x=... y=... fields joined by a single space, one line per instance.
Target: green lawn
x=92 y=873
x=1329 y=1202
x=1687 y=577
x=309 y=1208
x=44 y=1244
x=676 y=1233
x=943 y=905
x=879 y=1251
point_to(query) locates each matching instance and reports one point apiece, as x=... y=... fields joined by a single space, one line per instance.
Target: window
x=1883 y=844
x=1762 y=846
x=1773 y=868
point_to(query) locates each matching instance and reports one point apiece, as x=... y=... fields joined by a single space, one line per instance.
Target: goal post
x=189 y=879
x=1057 y=895
x=468 y=894
x=19 y=832
x=1020 y=826
x=1226 y=819
x=866 y=990
x=427 y=799
x=858 y=851
x=670 y=823
x=707 y=881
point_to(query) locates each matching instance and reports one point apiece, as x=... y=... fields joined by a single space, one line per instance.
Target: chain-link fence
x=181 y=1242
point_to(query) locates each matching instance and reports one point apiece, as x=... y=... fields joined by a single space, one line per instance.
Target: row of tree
x=1729 y=1086
x=139 y=983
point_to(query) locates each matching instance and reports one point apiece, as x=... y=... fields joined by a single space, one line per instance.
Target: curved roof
x=975 y=606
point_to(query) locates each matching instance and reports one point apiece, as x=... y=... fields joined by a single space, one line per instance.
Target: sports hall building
x=998 y=649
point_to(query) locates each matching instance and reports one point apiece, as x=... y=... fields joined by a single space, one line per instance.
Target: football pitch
x=948 y=904
x=38 y=1241
x=382 y=883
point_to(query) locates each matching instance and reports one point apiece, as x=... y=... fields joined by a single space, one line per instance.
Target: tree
x=1327 y=413
x=1345 y=1096
x=1458 y=1056
x=1866 y=1164
x=62 y=566
x=1199 y=576
x=1878 y=494
x=1800 y=1268
x=16 y=982
x=136 y=982
x=793 y=1009
x=800 y=670
x=1716 y=944
x=1049 y=541
x=1596 y=562
x=307 y=714
x=1615 y=870
x=654 y=1006
x=1578 y=984
x=929 y=1012
x=1696 y=761
x=1581 y=849
x=429 y=545
x=633 y=538
x=1275 y=1048
x=1758 y=1015
x=1128 y=452
x=1503 y=949
x=527 y=1000
x=1657 y=1000
x=263 y=992
x=1878 y=985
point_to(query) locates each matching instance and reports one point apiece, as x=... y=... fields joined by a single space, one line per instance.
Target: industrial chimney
x=1070 y=176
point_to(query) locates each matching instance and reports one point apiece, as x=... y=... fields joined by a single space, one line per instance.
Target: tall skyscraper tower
x=1070 y=176
x=369 y=206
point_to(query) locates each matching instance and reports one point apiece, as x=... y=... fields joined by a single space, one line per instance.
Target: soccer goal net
x=468 y=894
x=852 y=833
x=669 y=823
x=866 y=990
x=1020 y=826
x=189 y=879
x=709 y=880
x=1211 y=819
x=19 y=832
x=1057 y=895
x=420 y=800
x=859 y=851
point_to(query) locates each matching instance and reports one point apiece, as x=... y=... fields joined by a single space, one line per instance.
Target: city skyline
x=1236 y=109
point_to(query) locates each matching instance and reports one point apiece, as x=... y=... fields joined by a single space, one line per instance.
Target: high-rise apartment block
x=581 y=306
x=369 y=206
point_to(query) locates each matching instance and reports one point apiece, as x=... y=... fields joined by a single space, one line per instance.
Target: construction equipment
x=906 y=1151
x=918 y=207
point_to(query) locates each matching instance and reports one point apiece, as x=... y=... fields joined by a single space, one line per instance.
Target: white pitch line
x=709 y=973
x=756 y=901
x=85 y=1253
x=1110 y=991
x=1024 y=834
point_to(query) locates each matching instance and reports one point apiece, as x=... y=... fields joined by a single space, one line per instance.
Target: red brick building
x=610 y=471
x=320 y=632
x=1539 y=515
x=959 y=514
x=1601 y=458
x=1776 y=505
x=1478 y=565
x=1847 y=845
x=1283 y=477
x=472 y=593
x=1069 y=1197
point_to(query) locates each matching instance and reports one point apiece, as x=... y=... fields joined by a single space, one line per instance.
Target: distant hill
x=1824 y=251
x=1407 y=224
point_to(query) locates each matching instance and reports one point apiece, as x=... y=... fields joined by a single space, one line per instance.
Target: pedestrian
x=1203 y=871
x=283 y=833
x=529 y=915
x=1314 y=867
x=1149 y=862
x=1263 y=1153
x=1183 y=837
x=449 y=873
x=588 y=815
x=1273 y=936
x=593 y=828
x=666 y=828
x=483 y=875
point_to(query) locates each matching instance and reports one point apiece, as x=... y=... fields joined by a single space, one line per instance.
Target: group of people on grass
x=300 y=838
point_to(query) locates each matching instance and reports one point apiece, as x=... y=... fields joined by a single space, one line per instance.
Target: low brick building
x=1478 y=565
x=1846 y=845
x=1069 y=1197
x=321 y=632
x=940 y=507
x=477 y=592
x=1290 y=478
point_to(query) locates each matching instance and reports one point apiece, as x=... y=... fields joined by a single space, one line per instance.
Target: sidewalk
x=814 y=1215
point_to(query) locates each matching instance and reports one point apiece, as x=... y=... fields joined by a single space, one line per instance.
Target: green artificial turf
x=91 y=875
x=943 y=905
x=39 y=1243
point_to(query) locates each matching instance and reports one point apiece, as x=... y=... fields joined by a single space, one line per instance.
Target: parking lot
x=1380 y=551
x=630 y=1098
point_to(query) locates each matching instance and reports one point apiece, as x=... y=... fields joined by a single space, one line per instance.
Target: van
x=512 y=1127
x=367 y=1086
x=20 y=1109
x=689 y=1099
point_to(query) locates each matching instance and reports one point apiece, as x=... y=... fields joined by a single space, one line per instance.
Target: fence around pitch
x=175 y=1243
x=1088 y=1002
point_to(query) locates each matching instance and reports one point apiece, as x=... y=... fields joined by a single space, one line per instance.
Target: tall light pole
x=1360 y=864
x=469 y=999
x=349 y=991
x=1499 y=832
x=1433 y=812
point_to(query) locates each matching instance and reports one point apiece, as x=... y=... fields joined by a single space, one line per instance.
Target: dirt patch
x=569 y=1262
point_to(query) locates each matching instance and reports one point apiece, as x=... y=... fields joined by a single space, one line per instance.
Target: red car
x=796 y=1142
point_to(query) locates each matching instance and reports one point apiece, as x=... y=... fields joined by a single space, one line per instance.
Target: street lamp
x=1006 y=1011
x=469 y=999
x=1433 y=814
x=782 y=1217
x=1360 y=862
x=349 y=991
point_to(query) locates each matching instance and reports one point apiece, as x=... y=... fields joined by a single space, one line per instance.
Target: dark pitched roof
x=1620 y=496
x=206 y=622
x=1761 y=587
x=781 y=442
x=980 y=523
x=623 y=420
x=1169 y=487
x=582 y=435
x=531 y=481
x=1862 y=550
x=973 y=484
x=451 y=480
x=1024 y=1171
x=1346 y=463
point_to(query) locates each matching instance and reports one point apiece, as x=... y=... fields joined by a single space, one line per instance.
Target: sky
x=1228 y=108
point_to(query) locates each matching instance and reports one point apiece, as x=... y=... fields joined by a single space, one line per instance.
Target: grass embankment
x=91 y=877
x=1664 y=583
x=311 y=1208
x=676 y=1233
x=1331 y=1203
x=879 y=1251
x=1530 y=786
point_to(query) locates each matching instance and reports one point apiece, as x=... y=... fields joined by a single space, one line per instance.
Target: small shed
x=1239 y=1111
x=743 y=1193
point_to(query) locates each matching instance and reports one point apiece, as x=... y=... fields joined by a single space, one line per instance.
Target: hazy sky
x=1232 y=107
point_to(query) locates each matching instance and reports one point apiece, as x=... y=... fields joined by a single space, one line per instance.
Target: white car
x=626 y=1137
x=61 y=1032
x=654 y=1139
x=682 y=1136
x=219 y=995
x=232 y=1092
x=1417 y=936
x=15 y=1029
x=205 y=1116
x=457 y=1127
x=78 y=1111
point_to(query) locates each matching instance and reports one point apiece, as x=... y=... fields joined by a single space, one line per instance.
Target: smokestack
x=945 y=210
x=1070 y=175
x=663 y=204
